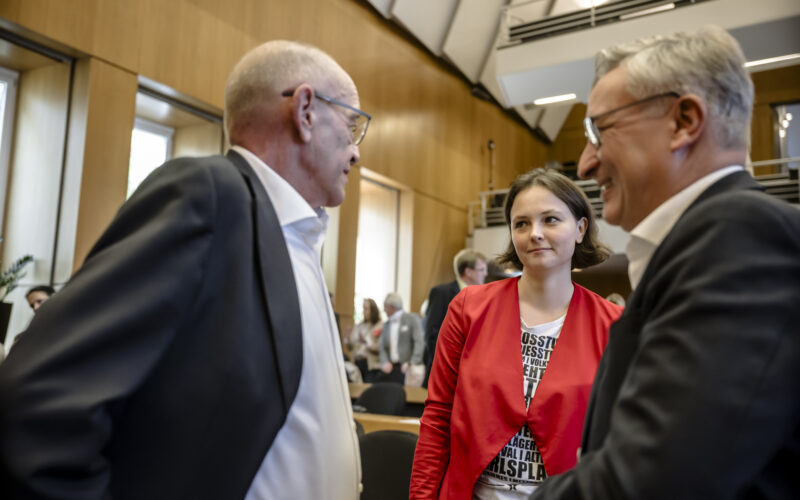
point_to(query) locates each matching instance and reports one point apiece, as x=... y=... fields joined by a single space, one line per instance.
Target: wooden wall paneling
x=161 y=35
x=117 y=31
x=439 y=233
x=777 y=85
x=346 y=251
x=762 y=138
x=185 y=47
x=34 y=180
x=10 y=9
x=429 y=132
x=197 y=140
x=571 y=140
x=71 y=23
x=772 y=87
x=109 y=122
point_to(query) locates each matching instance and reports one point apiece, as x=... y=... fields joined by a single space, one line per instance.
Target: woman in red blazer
x=515 y=359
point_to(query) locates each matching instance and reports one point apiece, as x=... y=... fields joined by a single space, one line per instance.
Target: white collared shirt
x=652 y=230
x=394 y=333
x=315 y=454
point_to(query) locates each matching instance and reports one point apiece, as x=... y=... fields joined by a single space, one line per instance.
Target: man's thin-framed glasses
x=592 y=131
x=359 y=128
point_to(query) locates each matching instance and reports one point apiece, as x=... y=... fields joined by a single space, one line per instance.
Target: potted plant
x=8 y=282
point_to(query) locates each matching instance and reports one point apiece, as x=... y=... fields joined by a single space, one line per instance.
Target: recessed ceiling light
x=653 y=10
x=555 y=98
x=770 y=60
x=585 y=4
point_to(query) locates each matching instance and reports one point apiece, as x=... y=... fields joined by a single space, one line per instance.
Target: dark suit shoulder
x=745 y=222
x=449 y=288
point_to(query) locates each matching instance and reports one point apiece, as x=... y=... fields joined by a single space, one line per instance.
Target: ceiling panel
x=382 y=6
x=427 y=21
x=472 y=34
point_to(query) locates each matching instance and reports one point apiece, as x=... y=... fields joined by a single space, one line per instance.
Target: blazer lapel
x=277 y=279
x=630 y=323
x=732 y=182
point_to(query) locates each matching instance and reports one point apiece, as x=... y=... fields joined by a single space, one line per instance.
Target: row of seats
x=384 y=398
x=386 y=456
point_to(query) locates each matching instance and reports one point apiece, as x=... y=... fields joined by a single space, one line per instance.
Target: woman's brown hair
x=374 y=313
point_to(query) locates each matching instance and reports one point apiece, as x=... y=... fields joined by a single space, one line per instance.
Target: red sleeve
x=433 y=447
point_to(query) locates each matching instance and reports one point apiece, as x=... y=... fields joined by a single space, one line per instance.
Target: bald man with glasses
x=195 y=355
x=698 y=393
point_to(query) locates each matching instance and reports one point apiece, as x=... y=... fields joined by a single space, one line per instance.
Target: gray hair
x=263 y=73
x=708 y=63
x=395 y=300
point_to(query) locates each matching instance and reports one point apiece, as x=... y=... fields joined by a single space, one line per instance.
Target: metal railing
x=527 y=21
x=488 y=210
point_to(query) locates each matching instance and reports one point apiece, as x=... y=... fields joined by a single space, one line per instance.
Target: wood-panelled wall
x=428 y=132
x=771 y=87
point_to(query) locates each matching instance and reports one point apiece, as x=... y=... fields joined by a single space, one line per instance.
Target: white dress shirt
x=315 y=454
x=394 y=333
x=652 y=230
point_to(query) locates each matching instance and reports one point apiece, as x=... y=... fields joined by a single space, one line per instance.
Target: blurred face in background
x=36 y=299
x=477 y=275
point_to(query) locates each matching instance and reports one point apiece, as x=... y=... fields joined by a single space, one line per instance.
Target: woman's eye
x=551 y=220
x=519 y=224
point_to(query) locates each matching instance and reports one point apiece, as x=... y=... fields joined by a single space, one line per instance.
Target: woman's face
x=543 y=229
x=366 y=312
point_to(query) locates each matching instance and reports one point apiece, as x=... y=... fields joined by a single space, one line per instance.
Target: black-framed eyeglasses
x=358 y=129
x=591 y=129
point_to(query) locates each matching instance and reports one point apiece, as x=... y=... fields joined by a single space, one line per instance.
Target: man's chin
x=611 y=217
x=335 y=200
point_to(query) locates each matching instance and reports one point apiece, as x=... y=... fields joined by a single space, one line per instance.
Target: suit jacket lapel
x=731 y=182
x=277 y=278
x=734 y=181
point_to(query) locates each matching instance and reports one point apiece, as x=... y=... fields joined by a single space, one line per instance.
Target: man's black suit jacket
x=166 y=366
x=438 y=301
x=698 y=393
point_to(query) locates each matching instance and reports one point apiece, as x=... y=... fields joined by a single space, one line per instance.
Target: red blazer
x=476 y=401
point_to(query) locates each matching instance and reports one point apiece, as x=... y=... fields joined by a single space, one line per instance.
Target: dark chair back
x=386 y=398
x=386 y=460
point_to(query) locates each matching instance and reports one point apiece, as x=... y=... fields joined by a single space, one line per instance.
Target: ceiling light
x=770 y=60
x=782 y=133
x=586 y=4
x=789 y=116
x=653 y=10
x=555 y=98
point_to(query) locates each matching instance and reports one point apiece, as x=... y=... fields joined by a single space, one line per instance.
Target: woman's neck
x=544 y=297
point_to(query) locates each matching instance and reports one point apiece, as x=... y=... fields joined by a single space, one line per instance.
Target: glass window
x=151 y=146
x=376 y=246
x=8 y=98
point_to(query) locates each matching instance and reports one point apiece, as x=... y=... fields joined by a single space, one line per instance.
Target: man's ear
x=690 y=117
x=303 y=116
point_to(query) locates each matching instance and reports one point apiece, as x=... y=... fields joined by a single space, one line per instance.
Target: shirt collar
x=290 y=207
x=652 y=230
x=396 y=316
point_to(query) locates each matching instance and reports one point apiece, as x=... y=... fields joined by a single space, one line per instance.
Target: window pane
x=376 y=248
x=148 y=151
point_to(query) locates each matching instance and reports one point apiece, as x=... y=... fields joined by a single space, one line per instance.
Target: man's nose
x=588 y=161
x=355 y=156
